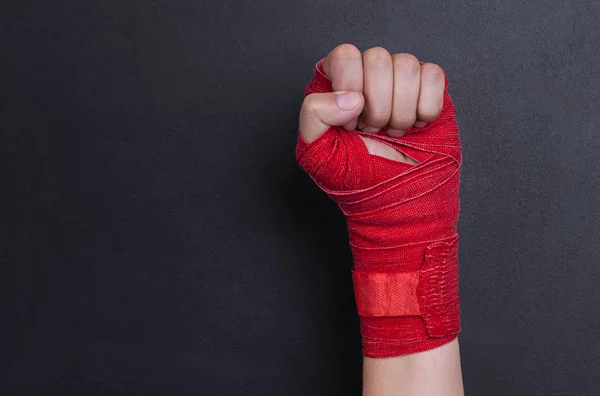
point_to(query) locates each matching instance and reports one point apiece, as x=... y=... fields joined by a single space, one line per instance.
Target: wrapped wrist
x=402 y=227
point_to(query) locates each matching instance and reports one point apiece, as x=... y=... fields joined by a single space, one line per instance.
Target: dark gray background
x=158 y=237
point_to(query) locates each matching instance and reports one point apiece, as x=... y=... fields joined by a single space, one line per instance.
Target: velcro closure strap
x=431 y=292
x=438 y=288
x=386 y=294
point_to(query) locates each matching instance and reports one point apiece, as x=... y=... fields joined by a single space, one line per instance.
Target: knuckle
x=377 y=116
x=308 y=108
x=380 y=114
x=403 y=119
x=377 y=54
x=432 y=72
x=406 y=63
x=429 y=112
x=345 y=51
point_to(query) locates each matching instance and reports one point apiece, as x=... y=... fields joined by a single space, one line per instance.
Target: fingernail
x=395 y=132
x=371 y=130
x=351 y=126
x=347 y=100
x=420 y=124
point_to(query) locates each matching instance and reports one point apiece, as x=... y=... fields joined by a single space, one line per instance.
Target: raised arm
x=378 y=134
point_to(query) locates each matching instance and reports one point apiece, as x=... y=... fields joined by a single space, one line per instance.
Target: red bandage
x=402 y=226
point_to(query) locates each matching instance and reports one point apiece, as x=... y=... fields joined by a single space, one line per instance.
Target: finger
x=407 y=80
x=343 y=66
x=322 y=110
x=431 y=94
x=378 y=88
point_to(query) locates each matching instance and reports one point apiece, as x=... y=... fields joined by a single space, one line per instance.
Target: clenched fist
x=374 y=91
x=378 y=134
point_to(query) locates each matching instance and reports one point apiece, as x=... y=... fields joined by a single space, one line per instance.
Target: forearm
x=397 y=183
x=435 y=372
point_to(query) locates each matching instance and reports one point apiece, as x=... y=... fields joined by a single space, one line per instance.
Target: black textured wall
x=158 y=238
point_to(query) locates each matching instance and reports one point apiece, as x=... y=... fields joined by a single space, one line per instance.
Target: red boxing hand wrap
x=402 y=226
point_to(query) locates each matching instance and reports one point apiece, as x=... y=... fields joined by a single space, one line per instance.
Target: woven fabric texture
x=402 y=226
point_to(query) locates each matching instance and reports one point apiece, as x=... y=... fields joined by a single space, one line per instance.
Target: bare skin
x=375 y=90
x=431 y=373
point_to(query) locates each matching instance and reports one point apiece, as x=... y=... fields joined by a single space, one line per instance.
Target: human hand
x=398 y=189
x=390 y=92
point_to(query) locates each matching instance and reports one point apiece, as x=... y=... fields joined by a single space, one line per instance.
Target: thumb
x=322 y=110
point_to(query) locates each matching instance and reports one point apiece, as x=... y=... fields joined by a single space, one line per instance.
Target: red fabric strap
x=386 y=294
x=401 y=224
x=430 y=292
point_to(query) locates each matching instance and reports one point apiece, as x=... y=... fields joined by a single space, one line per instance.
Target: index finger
x=344 y=68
